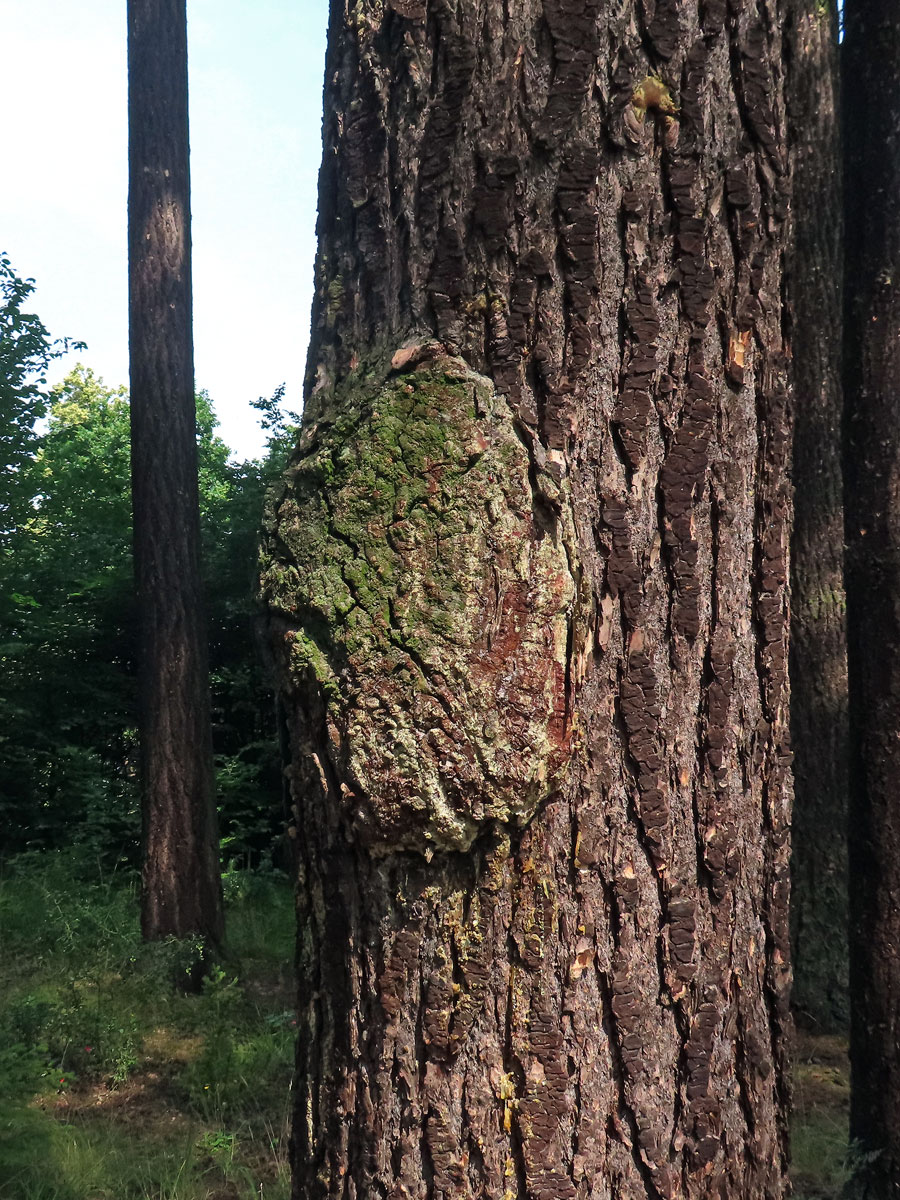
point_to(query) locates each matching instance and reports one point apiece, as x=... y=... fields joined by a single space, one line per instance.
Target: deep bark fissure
x=625 y=1108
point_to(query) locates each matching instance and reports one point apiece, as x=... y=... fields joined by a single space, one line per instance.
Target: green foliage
x=88 y=1013
x=59 y=908
x=248 y=764
x=282 y=427
x=819 y=1157
x=234 y=1069
x=68 y=745
x=26 y=351
x=821 y=1160
x=115 y=1086
x=78 y=936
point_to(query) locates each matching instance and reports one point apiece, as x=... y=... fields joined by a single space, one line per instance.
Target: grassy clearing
x=113 y=1084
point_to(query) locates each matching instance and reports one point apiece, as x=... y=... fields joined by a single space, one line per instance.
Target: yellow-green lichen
x=428 y=614
x=653 y=93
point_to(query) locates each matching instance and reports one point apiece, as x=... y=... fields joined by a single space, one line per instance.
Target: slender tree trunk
x=181 y=885
x=818 y=609
x=871 y=105
x=527 y=587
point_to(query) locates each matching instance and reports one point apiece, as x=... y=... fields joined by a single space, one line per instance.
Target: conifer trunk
x=871 y=106
x=181 y=888
x=818 y=659
x=527 y=586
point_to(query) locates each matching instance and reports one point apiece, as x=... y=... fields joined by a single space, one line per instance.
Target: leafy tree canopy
x=67 y=626
x=26 y=351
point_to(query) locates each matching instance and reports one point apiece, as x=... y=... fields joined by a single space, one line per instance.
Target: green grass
x=820 y=1124
x=114 y=1084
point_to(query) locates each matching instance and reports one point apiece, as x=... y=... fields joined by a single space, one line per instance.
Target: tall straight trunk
x=871 y=107
x=818 y=608
x=181 y=892
x=527 y=581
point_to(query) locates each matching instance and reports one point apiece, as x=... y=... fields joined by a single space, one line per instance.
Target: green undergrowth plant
x=822 y=1160
x=115 y=1084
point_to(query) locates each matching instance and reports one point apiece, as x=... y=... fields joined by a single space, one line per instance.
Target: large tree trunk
x=181 y=891
x=818 y=608
x=527 y=585
x=871 y=104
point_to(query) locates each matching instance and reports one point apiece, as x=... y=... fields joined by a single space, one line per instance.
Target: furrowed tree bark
x=871 y=109
x=818 y=655
x=526 y=583
x=181 y=887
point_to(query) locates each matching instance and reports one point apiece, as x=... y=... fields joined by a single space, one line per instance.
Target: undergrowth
x=822 y=1160
x=117 y=1085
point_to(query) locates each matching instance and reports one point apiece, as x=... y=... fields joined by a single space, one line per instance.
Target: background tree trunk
x=871 y=106
x=527 y=587
x=818 y=607
x=181 y=891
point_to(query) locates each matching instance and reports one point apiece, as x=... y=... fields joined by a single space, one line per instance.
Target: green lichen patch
x=428 y=614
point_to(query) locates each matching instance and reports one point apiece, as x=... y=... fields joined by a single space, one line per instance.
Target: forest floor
x=115 y=1085
x=821 y=1117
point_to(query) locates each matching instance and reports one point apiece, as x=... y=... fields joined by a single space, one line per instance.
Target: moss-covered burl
x=426 y=612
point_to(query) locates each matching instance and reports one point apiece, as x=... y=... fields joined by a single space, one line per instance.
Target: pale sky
x=256 y=69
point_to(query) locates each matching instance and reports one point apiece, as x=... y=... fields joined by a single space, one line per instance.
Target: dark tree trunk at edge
x=818 y=607
x=871 y=106
x=181 y=892
x=527 y=585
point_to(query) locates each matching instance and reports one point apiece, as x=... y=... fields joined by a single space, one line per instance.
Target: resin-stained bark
x=818 y=608
x=580 y=209
x=871 y=107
